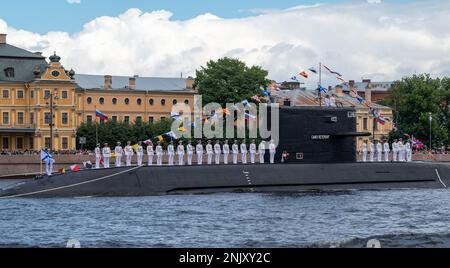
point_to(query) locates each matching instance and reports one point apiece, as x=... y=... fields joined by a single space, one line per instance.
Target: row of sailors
x=401 y=152
x=211 y=151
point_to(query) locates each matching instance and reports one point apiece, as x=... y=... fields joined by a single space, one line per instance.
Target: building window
x=139 y=101
x=114 y=101
x=138 y=119
x=151 y=102
x=114 y=118
x=31 y=143
x=151 y=119
x=47 y=118
x=20 y=94
x=32 y=94
x=365 y=126
x=127 y=101
x=101 y=100
x=89 y=100
x=64 y=95
x=5 y=118
x=65 y=118
x=19 y=143
x=9 y=72
x=20 y=118
x=186 y=102
x=174 y=102
x=47 y=143
x=47 y=94
x=163 y=102
x=5 y=93
x=32 y=118
x=65 y=143
x=126 y=120
x=89 y=119
x=5 y=143
x=163 y=118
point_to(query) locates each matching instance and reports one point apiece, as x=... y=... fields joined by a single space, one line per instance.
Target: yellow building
x=30 y=86
x=129 y=99
x=364 y=120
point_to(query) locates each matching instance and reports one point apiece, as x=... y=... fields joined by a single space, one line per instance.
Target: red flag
x=304 y=74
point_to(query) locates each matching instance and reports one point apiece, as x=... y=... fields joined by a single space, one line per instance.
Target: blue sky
x=58 y=15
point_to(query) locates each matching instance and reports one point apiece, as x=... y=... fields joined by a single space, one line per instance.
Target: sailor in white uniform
x=209 y=152
x=199 y=151
x=272 y=151
x=98 y=156
x=159 y=153
x=379 y=151
x=394 y=151
x=171 y=153
x=139 y=154
x=364 y=151
x=371 y=151
x=235 y=149
x=180 y=153
x=262 y=151
x=252 y=151
x=106 y=155
x=118 y=151
x=408 y=152
x=217 y=152
x=226 y=152
x=128 y=154
x=244 y=152
x=190 y=153
x=401 y=151
x=150 y=154
x=386 y=151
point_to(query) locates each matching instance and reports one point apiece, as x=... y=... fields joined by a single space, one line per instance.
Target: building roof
x=10 y=51
x=310 y=98
x=88 y=81
x=21 y=61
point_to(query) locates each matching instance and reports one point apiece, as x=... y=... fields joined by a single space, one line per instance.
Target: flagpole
x=320 y=84
x=40 y=162
x=96 y=126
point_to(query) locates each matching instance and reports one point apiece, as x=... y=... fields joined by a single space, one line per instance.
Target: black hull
x=150 y=181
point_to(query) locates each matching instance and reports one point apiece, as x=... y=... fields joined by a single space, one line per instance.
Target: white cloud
x=74 y=1
x=382 y=42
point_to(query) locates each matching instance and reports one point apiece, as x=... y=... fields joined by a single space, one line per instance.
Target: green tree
x=111 y=132
x=229 y=80
x=413 y=99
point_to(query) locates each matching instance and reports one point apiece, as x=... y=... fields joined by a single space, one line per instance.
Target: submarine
x=320 y=141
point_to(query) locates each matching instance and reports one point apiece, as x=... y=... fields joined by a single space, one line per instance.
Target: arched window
x=114 y=101
x=151 y=102
x=163 y=102
x=89 y=100
x=101 y=100
x=186 y=102
x=139 y=101
x=127 y=101
x=175 y=102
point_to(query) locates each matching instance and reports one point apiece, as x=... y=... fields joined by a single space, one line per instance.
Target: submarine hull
x=165 y=180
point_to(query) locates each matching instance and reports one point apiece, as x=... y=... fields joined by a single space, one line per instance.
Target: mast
x=320 y=84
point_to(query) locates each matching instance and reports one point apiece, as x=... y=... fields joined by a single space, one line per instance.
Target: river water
x=409 y=218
